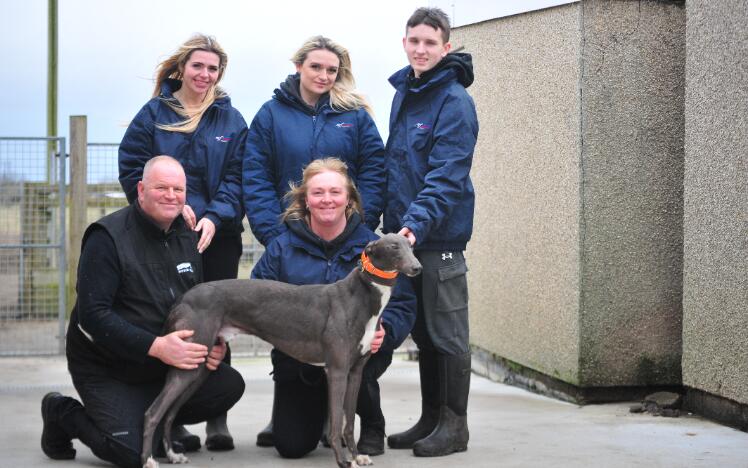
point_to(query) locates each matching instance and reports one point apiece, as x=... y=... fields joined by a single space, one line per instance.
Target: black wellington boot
x=265 y=437
x=218 y=438
x=57 y=444
x=427 y=365
x=451 y=434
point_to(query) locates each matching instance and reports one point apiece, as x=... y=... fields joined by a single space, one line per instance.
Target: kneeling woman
x=324 y=240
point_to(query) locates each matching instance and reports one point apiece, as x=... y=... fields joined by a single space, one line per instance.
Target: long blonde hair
x=343 y=95
x=297 y=208
x=173 y=67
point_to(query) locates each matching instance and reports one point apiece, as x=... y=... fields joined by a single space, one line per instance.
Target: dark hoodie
x=461 y=63
x=433 y=131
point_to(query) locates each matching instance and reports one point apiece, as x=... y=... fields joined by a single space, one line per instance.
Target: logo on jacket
x=343 y=125
x=223 y=139
x=185 y=267
x=446 y=255
x=422 y=126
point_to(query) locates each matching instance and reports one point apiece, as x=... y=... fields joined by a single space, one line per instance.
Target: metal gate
x=32 y=246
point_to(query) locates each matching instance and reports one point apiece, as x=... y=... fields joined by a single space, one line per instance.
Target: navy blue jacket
x=295 y=257
x=211 y=155
x=433 y=131
x=286 y=135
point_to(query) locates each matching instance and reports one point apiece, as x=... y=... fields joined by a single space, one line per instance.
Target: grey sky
x=108 y=51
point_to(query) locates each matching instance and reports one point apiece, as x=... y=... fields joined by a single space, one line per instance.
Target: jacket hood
x=288 y=92
x=302 y=229
x=456 y=65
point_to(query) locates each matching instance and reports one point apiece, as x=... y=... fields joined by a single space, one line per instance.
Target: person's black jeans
x=112 y=423
x=300 y=408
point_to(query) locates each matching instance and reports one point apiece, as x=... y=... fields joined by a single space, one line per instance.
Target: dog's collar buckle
x=368 y=267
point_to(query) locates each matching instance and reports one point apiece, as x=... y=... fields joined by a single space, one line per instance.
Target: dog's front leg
x=349 y=406
x=336 y=385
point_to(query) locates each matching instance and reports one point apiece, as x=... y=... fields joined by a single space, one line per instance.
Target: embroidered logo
x=343 y=125
x=223 y=139
x=422 y=126
x=447 y=255
x=185 y=267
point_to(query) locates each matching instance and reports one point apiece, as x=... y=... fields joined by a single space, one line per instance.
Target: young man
x=430 y=200
x=135 y=263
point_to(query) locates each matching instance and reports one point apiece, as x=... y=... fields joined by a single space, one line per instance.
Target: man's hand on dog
x=173 y=350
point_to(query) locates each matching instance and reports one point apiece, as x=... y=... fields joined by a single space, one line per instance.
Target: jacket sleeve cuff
x=215 y=219
x=141 y=343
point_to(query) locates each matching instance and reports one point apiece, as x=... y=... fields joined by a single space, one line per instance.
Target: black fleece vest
x=156 y=269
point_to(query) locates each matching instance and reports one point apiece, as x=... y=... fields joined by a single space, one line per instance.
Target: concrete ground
x=509 y=427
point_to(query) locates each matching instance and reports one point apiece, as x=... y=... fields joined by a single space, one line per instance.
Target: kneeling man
x=134 y=264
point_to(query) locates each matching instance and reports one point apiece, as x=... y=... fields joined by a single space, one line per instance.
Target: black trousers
x=112 y=422
x=220 y=262
x=441 y=324
x=300 y=407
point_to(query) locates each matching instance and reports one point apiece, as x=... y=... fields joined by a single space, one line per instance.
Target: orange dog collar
x=367 y=266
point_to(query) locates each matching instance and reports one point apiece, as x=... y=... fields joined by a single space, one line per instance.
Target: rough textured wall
x=715 y=289
x=524 y=256
x=633 y=62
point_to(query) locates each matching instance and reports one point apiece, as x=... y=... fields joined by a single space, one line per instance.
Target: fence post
x=78 y=197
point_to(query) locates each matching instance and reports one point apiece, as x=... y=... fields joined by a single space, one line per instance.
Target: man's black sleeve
x=99 y=278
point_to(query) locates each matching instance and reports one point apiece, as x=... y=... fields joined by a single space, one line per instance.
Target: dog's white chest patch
x=371 y=325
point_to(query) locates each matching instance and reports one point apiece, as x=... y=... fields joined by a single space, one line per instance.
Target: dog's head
x=393 y=252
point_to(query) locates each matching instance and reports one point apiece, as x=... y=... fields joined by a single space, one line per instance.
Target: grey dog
x=326 y=324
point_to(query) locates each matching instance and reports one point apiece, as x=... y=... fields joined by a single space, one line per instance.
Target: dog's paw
x=151 y=463
x=363 y=460
x=176 y=458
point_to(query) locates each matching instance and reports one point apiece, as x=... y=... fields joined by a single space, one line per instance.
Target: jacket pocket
x=452 y=291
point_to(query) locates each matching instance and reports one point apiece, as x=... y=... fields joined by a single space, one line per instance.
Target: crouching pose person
x=324 y=239
x=134 y=264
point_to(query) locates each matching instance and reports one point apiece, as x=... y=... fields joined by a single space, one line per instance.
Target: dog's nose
x=416 y=270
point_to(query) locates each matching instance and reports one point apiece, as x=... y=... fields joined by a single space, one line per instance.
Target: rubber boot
x=265 y=437
x=429 y=374
x=371 y=440
x=451 y=434
x=217 y=433
x=56 y=443
x=183 y=440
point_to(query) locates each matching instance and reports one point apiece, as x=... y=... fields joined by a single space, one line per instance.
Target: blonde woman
x=315 y=113
x=191 y=119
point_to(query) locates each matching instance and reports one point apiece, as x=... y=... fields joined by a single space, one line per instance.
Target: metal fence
x=32 y=245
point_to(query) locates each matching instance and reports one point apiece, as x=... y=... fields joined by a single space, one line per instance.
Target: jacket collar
x=345 y=243
x=171 y=85
x=288 y=93
x=150 y=228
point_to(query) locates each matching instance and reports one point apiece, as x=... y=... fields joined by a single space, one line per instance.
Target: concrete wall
x=575 y=260
x=715 y=289
x=633 y=65
x=524 y=256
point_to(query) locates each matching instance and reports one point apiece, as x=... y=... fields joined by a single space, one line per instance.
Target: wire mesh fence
x=32 y=245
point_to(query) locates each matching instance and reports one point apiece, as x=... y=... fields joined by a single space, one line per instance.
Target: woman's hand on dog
x=216 y=355
x=378 y=339
x=173 y=350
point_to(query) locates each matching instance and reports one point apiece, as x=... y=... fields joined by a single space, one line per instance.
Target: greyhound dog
x=325 y=324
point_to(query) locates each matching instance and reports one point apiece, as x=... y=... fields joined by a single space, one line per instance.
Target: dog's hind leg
x=174 y=410
x=177 y=382
x=349 y=407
